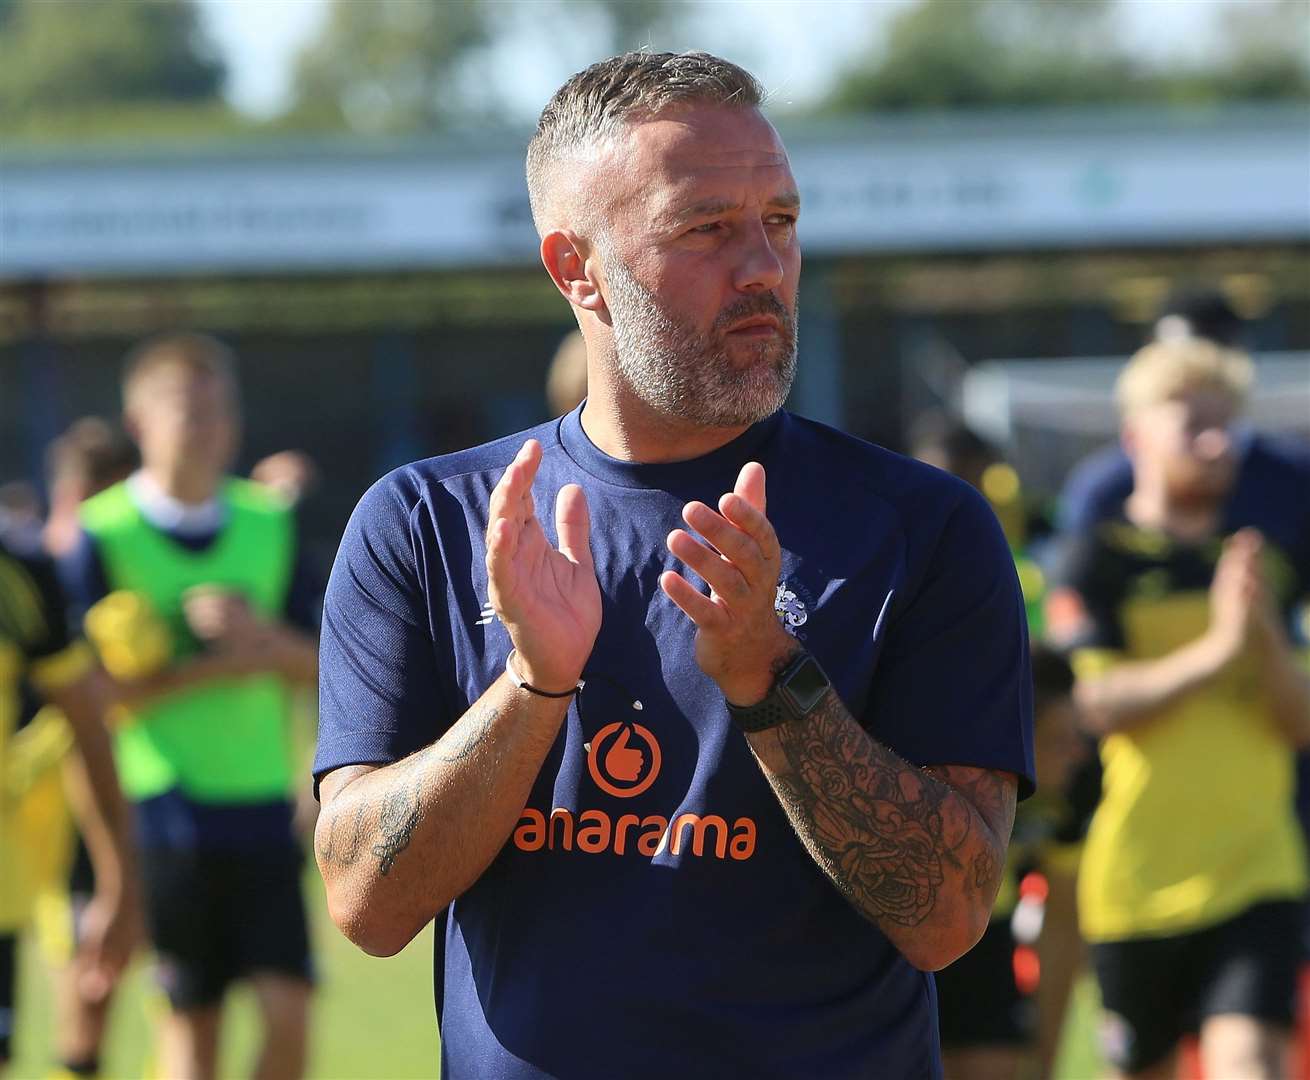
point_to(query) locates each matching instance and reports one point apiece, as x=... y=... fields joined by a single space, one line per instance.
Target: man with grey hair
x=707 y=787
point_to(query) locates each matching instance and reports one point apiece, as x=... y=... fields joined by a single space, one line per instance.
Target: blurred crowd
x=159 y=603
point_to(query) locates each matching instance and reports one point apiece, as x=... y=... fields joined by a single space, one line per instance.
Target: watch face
x=806 y=685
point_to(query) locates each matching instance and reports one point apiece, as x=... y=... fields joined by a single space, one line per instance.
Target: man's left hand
x=221 y=616
x=111 y=930
x=740 y=642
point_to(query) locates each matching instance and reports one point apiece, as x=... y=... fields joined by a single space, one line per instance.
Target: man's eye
x=782 y=219
x=707 y=228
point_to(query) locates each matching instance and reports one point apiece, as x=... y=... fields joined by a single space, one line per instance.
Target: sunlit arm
x=919 y=852
x=289 y=652
x=278 y=650
x=113 y=921
x=397 y=844
x=98 y=801
x=1135 y=692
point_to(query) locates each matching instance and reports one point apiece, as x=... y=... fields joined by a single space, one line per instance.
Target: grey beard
x=687 y=375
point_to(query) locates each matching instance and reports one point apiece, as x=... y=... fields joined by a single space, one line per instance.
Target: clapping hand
x=1242 y=610
x=220 y=615
x=740 y=643
x=548 y=599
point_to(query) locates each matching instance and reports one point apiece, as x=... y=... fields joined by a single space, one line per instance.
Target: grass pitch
x=373 y=1019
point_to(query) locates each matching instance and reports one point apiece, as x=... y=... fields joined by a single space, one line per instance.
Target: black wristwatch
x=797 y=690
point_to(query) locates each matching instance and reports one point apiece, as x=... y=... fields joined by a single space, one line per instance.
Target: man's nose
x=759 y=268
x=1213 y=443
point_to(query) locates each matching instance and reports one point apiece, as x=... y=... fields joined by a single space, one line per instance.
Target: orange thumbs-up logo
x=619 y=764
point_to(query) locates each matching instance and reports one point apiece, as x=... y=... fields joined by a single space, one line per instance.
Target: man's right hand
x=548 y=599
x=1240 y=605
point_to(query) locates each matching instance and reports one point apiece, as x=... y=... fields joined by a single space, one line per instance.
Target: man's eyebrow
x=707 y=208
x=787 y=200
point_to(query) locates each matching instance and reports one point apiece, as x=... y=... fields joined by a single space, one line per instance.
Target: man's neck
x=624 y=427
x=189 y=487
x=1150 y=506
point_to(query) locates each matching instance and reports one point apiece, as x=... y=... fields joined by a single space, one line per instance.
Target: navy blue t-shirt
x=669 y=923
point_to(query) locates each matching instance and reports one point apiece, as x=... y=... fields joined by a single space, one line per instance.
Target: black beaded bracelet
x=518 y=681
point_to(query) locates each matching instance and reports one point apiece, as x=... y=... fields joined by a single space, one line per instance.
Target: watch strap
x=778 y=705
x=761 y=716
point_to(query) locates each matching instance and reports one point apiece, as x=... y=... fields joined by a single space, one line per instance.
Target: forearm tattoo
x=397 y=820
x=348 y=852
x=470 y=737
x=888 y=834
x=398 y=811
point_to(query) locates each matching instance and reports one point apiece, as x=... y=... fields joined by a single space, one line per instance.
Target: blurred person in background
x=200 y=605
x=89 y=457
x=37 y=655
x=987 y=1010
x=1269 y=469
x=1194 y=874
x=20 y=507
x=566 y=378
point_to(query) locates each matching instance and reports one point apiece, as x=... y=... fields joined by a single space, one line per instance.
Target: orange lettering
x=652 y=837
x=743 y=842
x=596 y=833
x=621 y=827
x=531 y=833
x=593 y=837
x=562 y=815
x=699 y=827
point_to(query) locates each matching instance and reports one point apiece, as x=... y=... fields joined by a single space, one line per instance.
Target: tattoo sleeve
x=906 y=846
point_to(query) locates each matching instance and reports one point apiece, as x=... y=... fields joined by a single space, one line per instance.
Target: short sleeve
x=954 y=684
x=380 y=693
x=1083 y=595
x=33 y=610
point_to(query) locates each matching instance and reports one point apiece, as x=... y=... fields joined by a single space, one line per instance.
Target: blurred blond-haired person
x=1194 y=873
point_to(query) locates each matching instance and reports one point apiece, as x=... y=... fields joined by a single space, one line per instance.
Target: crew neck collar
x=718 y=469
x=170 y=514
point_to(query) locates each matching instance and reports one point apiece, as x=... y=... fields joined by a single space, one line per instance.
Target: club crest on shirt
x=789 y=608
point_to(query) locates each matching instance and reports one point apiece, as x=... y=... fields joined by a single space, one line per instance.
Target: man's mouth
x=757 y=326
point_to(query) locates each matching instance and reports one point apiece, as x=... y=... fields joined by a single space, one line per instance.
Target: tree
x=1268 y=54
x=949 y=54
x=75 y=54
x=943 y=54
x=632 y=24
x=389 y=65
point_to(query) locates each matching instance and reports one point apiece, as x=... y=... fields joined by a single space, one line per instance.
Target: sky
x=793 y=46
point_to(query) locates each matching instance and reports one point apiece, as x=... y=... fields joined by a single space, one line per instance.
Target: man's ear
x=1128 y=438
x=566 y=258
